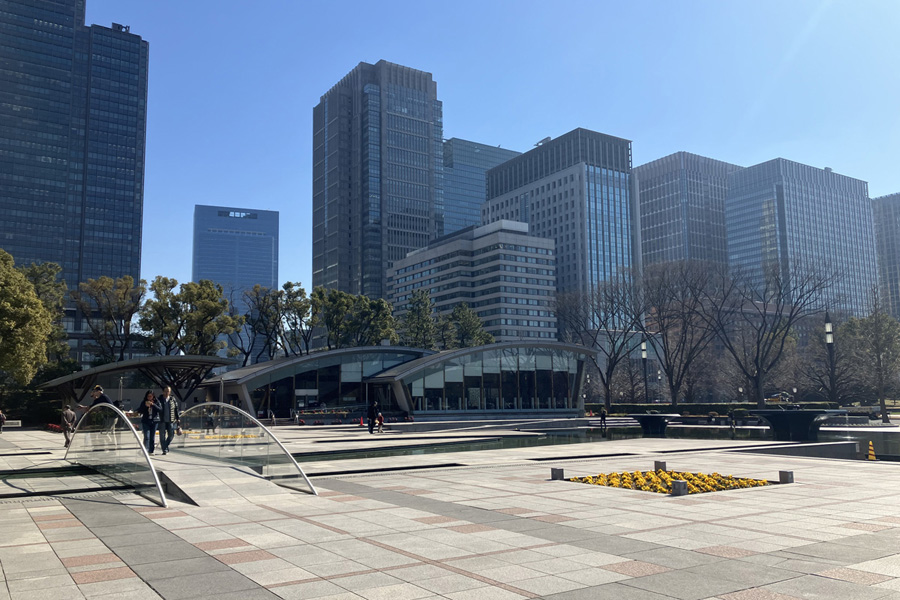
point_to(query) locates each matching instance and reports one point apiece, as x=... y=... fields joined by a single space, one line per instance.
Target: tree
x=51 y=291
x=877 y=338
x=606 y=320
x=754 y=317
x=469 y=329
x=264 y=318
x=109 y=306
x=352 y=320
x=675 y=296
x=298 y=321
x=162 y=317
x=206 y=318
x=833 y=372
x=25 y=324
x=417 y=326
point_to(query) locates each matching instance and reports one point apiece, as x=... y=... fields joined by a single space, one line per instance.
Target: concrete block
x=679 y=487
x=659 y=465
x=557 y=474
x=785 y=477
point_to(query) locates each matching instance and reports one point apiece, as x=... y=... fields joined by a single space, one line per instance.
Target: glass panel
x=222 y=432
x=106 y=441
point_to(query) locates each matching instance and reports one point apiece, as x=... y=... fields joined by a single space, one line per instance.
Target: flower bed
x=661 y=481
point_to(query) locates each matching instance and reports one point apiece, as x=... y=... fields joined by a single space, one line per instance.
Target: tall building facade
x=681 y=199
x=798 y=217
x=886 y=210
x=377 y=175
x=575 y=190
x=465 y=167
x=505 y=275
x=236 y=248
x=73 y=117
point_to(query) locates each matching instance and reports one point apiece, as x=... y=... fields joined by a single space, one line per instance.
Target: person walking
x=68 y=423
x=380 y=420
x=169 y=419
x=2 y=421
x=149 y=410
x=373 y=411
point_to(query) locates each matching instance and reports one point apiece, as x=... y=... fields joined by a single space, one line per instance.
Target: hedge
x=722 y=408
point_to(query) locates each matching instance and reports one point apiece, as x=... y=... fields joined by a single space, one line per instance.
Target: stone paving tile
x=635 y=568
x=854 y=576
x=103 y=575
x=812 y=587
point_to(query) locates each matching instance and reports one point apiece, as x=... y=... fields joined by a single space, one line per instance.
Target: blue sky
x=233 y=84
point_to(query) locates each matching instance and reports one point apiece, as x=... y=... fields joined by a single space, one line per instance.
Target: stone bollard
x=659 y=465
x=556 y=474
x=785 y=477
x=679 y=487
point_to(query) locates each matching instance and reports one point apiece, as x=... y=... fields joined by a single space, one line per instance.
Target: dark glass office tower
x=796 y=216
x=73 y=103
x=235 y=247
x=681 y=198
x=576 y=190
x=887 y=241
x=377 y=170
x=465 y=166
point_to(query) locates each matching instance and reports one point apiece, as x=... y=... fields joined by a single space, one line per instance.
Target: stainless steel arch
x=105 y=440
x=224 y=432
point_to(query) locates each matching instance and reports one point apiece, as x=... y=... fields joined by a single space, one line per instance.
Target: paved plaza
x=493 y=527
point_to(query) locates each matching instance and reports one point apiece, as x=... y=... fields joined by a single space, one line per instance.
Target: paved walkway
x=495 y=528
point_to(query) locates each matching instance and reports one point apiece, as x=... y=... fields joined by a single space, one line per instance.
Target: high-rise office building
x=798 y=217
x=465 y=166
x=236 y=248
x=886 y=210
x=575 y=190
x=681 y=198
x=505 y=275
x=73 y=115
x=377 y=169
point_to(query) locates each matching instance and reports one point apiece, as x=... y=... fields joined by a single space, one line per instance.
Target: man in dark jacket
x=169 y=419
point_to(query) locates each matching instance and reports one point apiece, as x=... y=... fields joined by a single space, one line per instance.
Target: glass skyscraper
x=796 y=217
x=73 y=116
x=887 y=239
x=465 y=166
x=576 y=190
x=377 y=175
x=681 y=198
x=236 y=248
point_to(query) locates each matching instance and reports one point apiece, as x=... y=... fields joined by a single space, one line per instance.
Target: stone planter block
x=557 y=474
x=679 y=487
x=785 y=477
x=659 y=465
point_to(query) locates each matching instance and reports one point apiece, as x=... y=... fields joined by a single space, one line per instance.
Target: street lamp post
x=829 y=344
x=658 y=386
x=644 y=361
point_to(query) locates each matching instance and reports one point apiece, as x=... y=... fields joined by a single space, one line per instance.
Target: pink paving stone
x=103 y=575
x=242 y=557
x=435 y=520
x=635 y=568
x=330 y=494
x=854 y=576
x=90 y=559
x=553 y=518
x=757 y=594
x=59 y=524
x=866 y=526
x=726 y=551
x=889 y=520
x=471 y=528
x=220 y=544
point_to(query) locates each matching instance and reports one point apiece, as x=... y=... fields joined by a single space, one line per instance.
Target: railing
x=106 y=441
x=223 y=432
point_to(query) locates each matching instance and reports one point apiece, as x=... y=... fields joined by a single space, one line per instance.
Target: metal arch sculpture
x=237 y=445
x=97 y=442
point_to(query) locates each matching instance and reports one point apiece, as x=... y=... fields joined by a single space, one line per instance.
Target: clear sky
x=233 y=85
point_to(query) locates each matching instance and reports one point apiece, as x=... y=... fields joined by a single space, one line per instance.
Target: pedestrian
x=98 y=396
x=149 y=410
x=380 y=419
x=210 y=421
x=603 y=418
x=169 y=420
x=2 y=420
x=68 y=423
x=373 y=411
